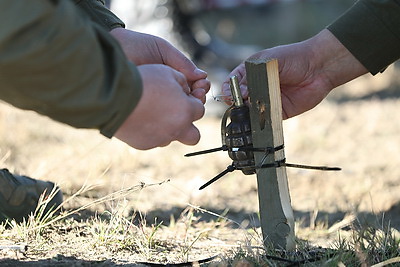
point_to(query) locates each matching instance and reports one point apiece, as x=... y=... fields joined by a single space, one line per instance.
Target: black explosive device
x=237 y=139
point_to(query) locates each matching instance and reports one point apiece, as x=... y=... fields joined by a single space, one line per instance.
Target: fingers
x=177 y=60
x=240 y=72
x=198 y=89
x=181 y=79
x=185 y=131
x=196 y=106
x=165 y=112
x=196 y=78
x=203 y=84
x=191 y=135
x=200 y=94
x=155 y=50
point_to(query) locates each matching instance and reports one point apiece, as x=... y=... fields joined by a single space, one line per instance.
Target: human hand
x=143 y=48
x=308 y=71
x=165 y=112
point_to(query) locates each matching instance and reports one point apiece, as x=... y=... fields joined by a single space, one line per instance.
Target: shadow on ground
x=58 y=261
x=244 y=219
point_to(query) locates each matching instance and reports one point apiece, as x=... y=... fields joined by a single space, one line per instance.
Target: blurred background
x=219 y=34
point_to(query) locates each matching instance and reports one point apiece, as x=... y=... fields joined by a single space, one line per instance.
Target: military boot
x=19 y=196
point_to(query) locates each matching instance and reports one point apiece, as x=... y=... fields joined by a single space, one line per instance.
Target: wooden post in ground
x=276 y=214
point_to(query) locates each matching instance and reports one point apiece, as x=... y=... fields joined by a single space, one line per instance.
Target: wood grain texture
x=276 y=214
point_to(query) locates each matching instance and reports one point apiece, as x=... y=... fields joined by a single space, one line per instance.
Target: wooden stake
x=276 y=214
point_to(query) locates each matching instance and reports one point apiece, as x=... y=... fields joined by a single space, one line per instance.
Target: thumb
x=177 y=60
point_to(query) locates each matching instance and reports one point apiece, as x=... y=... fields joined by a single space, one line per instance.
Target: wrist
x=333 y=60
x=118 y=32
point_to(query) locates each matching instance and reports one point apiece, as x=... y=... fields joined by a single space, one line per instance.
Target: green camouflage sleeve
x=64 y=66
x=370 y=30
x=100 y=14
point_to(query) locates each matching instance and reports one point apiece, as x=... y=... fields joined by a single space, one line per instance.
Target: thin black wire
x=230 y=168
x=261 y=165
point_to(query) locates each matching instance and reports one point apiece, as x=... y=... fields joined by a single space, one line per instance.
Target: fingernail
x=199 y=71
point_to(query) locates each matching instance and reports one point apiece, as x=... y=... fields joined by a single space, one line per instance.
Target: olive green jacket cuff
x=370 y=30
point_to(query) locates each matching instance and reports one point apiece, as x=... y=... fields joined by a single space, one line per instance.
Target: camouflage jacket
x=60 y=61
x=370 y=30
